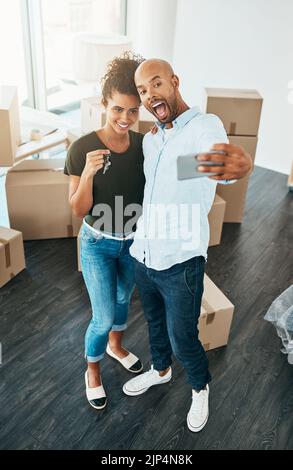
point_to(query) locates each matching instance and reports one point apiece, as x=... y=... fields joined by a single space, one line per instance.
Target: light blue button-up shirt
x=174 y=223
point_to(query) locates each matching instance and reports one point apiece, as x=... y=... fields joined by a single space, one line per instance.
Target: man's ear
x=175 y=81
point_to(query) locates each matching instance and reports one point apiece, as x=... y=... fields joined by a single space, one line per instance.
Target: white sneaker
x=143 y=382
x=199 y=410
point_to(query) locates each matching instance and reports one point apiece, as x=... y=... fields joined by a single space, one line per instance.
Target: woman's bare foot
x=115 y=339
x=94 y=374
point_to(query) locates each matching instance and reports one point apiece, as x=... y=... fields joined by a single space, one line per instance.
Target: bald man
x=172 y=236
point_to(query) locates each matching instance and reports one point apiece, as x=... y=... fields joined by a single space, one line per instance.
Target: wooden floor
x=44 y=315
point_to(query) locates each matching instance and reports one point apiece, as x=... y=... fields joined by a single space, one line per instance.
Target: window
x=62 y=23
x=12 y=68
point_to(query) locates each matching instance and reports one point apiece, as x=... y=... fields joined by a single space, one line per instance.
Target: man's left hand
x=237 y=162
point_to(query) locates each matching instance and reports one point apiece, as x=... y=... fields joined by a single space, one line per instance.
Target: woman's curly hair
x=120 y=75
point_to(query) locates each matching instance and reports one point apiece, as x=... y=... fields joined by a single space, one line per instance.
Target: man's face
x=157 y=92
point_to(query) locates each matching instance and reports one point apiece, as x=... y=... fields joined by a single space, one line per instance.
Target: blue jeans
x=108 y=272
x=171 y=300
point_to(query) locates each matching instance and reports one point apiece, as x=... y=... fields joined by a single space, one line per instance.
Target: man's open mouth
x=160 y=110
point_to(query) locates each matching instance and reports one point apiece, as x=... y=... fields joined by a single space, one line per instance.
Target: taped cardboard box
x=216 y=219
x=239 y=110
x=12 y=259
x=37 y=201
x=9 y=125
x=215 y=316
x=235 y=194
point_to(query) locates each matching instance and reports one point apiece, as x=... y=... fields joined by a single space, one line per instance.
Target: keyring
x=107 y=163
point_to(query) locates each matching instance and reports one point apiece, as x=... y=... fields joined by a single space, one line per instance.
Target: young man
x=170 y=270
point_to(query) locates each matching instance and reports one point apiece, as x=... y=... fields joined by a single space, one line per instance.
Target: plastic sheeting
x=280 y=314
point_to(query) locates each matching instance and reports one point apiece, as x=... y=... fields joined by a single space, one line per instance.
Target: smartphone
x=187 y=165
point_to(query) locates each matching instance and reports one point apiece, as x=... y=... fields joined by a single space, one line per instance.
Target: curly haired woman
x=106 y=187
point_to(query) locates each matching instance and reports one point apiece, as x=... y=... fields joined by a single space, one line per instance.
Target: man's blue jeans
x=171 y=301
x=108 y=271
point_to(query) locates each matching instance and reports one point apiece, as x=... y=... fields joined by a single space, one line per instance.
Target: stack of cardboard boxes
x=11 y=242
x=36 y=189
x=240 y=112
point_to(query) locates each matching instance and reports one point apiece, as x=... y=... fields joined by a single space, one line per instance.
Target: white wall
x=151 y=27
x=241 y=44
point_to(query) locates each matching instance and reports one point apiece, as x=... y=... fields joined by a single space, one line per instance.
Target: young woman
x=106 y=188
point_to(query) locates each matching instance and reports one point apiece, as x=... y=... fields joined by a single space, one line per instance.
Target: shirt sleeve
x=214 y=133
x=75 y=160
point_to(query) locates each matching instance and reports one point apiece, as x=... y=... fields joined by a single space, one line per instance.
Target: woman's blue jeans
x=108 y=272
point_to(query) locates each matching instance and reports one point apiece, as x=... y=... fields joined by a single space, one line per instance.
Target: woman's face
x=122 y=112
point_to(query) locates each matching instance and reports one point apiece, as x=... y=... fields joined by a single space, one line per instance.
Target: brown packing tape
x=69 y=231
x=209 y=310
x=210 y=318
x=232 y=128
x=7 y=252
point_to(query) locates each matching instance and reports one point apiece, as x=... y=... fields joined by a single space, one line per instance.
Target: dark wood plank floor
x=44 y=315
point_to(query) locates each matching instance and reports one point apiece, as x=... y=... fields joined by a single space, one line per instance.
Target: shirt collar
x=183 y=119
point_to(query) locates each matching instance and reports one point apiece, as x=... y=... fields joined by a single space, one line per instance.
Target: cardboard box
x=9 y=125
x=12 y=259
x=235 y=194
x=239 y=110
x=38 y=164
x=37 y=201
x=216 y=219
x=215 y=316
